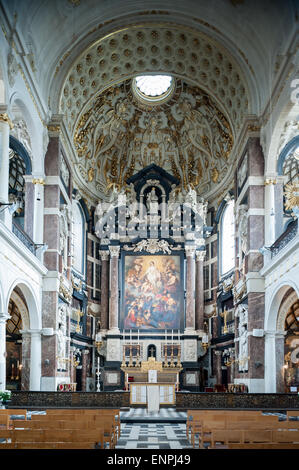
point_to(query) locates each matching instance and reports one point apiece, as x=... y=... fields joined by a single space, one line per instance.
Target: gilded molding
x=38 y=181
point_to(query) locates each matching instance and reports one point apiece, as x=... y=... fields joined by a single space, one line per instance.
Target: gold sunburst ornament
x=292 y=195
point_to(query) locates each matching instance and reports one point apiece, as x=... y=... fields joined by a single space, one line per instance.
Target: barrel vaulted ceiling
x=222 y=55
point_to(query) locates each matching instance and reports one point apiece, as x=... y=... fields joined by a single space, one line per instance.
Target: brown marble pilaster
x=113 y=298
x=190 y=287
x=104 y=318
x=199 y=292
x=217 y=356
x=85 y=359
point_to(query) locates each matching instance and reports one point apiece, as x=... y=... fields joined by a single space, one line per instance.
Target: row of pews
x=218 y=429
x=60 y=429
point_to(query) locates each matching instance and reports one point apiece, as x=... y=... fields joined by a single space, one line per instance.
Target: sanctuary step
x=142 y=415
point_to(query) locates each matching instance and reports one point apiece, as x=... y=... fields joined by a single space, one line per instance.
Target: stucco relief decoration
x=20 y=132
x=242 y=217
x=12 y=68
x=116 y=137
x=64 y=221
x=242 y=313
x=61 y=336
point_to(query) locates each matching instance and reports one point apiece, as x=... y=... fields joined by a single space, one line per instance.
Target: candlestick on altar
x=171 y=336
x=98 y=373
x=165 y=336
x=130 y=336
x=138 y=336
x=179 y=335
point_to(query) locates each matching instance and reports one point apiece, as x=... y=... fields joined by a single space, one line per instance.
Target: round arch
x=274 y=319
x=282 y=298
x=32 y=304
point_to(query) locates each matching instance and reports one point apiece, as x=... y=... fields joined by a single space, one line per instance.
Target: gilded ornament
x=5 y=118
x=215 y=175
x=292 y=195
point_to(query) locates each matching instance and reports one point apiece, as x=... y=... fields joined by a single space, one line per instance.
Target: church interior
x=149 y=201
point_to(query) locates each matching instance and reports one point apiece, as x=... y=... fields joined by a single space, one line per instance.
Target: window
x=78 y=238
x=291 y=167
x=153 y=88
x=227 y=250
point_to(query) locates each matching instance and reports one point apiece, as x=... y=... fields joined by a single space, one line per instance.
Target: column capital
x=104 y=254
x=190 y=250
x=270 y=180
x=200 y=255
x=4 y=316
x=114 y=251
x=5 y=118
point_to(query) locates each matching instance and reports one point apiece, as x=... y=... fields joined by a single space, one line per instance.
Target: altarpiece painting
x=152 y=292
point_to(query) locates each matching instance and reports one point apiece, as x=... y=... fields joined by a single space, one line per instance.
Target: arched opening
x=151 y=351
x=275 y=335
x=17 y=354
x=291 y=349
x=23 y=339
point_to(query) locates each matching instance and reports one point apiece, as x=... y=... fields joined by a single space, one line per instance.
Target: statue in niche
x=243 y=235
x=63 y=236
x=152 y=201
x=242 y=313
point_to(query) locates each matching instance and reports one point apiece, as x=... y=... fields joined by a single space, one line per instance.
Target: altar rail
x=184 y=400
x=261 y=401
x=24 y=399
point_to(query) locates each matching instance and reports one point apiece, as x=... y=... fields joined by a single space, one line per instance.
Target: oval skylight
x=153 y=85
x=153 y=88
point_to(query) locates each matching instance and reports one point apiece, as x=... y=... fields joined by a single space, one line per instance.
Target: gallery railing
x=285 y=238
x=23 y=237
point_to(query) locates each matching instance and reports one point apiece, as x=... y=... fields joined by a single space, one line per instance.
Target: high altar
x=153 y=312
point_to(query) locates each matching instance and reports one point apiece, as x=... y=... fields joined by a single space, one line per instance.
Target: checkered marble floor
x=164 y=414
x=153 y=436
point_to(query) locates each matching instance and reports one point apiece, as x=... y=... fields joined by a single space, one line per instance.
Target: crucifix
x=152 y=351
x=224 y=315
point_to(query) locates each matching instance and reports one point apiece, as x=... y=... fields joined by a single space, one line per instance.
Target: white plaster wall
x=19 y=267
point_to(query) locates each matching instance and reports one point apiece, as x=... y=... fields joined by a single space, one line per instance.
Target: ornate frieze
x=153 y=246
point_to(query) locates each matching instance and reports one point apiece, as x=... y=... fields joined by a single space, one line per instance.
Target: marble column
x=270 y=367
x=5 y=125
x=26 y=354
x=113 y=297
x=35 y=362
x=218 y=355
x=3 y=319
x=279 y=352
x=84 y=369
x=104 y=289
x=199 y=292
x=270 y=211
x=190 y=287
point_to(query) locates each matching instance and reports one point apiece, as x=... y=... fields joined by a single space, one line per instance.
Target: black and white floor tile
x=153 y=436
x=168 y=415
